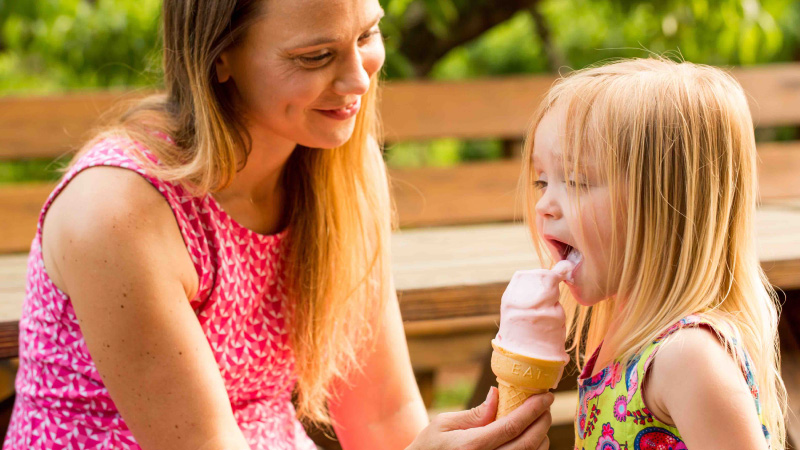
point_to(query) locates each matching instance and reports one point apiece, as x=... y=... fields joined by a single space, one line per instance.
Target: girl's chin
x=583 y=298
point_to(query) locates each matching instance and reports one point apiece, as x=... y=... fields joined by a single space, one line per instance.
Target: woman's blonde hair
x=339 y=217
x=675 y=143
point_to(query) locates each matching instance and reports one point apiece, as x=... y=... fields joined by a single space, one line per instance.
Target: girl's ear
x=223 y=67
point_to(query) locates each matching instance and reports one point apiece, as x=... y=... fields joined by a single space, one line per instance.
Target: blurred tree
x=48 y=45
x=58 y=45
x=51 y=45
x=429 y=29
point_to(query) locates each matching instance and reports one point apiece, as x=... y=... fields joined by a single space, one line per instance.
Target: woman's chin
x=330 y=136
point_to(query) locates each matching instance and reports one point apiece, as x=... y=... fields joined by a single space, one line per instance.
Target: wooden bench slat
x=469 y=193
x=475 y=109
x=53 y=126
x=773 y=92
x=779 y=170
x=36 y=127
x=20 y=205
x=482 y=192
x=454 y=325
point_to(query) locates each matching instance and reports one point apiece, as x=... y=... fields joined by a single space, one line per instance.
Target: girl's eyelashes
x=318 y=60
x=578 y=184
x=540 y=185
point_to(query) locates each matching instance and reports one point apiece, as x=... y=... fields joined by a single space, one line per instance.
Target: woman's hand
x=525 y=428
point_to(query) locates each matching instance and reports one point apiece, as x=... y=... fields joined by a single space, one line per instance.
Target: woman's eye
x=316 y=60
x=369 y=34
x=539 y=185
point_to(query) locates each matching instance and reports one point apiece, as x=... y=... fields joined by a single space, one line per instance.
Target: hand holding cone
x=529 y=356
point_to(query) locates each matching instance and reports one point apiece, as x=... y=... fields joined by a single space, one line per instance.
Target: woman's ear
x=223 y=67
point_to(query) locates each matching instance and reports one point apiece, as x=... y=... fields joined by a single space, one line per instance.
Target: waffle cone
x=519 y=377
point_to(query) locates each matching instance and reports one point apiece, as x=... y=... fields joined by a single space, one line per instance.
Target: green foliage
x=59 y=45
x=442 y=152
x=719 y=32
x=509 y=48
x=51 y=45
x=454 y=395
x=30 y=170
x=55 y=45
x=583 y=32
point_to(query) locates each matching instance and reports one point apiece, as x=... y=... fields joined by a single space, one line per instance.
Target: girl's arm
x=112 y=243
x=381 y=407
x=695 y=384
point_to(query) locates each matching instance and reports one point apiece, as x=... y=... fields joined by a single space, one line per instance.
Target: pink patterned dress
x=61 y=401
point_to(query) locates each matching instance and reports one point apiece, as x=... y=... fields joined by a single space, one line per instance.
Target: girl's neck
x=608 y=348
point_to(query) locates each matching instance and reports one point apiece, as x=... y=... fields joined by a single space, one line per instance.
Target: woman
x=225 y=245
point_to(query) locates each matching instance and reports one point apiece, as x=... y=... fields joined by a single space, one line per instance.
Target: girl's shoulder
x=697 y=366
x=699 y=336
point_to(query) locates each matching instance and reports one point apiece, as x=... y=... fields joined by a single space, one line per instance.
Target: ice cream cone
x=519 y=377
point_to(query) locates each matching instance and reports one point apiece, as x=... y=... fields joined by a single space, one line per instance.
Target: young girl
x=644 y=171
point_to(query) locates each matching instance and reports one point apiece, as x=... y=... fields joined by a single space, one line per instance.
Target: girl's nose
x=548 y=206
x=352 y=78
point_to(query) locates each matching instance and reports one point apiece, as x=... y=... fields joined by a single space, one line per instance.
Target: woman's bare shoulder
x=110 y=209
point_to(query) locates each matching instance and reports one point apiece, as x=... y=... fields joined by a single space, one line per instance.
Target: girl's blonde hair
x=675 y=143
x=339 y=218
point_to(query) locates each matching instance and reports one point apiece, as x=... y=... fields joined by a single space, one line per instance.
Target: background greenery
x=49 y=46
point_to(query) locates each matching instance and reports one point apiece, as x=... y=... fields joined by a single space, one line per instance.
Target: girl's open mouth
x=568 y=252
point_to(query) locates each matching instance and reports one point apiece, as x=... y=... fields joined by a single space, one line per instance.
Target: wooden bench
x=458 y=245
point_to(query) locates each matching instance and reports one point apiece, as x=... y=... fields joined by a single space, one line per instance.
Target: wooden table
x=460 y=272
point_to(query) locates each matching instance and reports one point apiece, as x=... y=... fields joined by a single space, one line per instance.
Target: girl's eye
x=582 y=185
x=539 y=185
x=315 y=61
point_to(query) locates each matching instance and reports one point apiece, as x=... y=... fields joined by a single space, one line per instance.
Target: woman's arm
x=112 y=244
x=382 y=406
x=696 y=385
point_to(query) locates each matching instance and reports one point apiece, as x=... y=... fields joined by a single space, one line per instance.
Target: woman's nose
x=548 y=206
x=353 y=78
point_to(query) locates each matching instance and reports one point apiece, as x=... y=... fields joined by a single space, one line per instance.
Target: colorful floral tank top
x=612 y=414
x=241 y=305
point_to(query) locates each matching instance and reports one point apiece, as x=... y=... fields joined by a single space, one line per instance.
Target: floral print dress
x=612 y=414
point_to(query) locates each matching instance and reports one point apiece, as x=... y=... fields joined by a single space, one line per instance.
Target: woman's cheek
x=374 y=56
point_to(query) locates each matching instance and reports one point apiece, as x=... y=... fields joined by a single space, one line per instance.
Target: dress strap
x=727 y=335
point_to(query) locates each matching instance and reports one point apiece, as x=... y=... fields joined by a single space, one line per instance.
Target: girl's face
x=573 y=215
x=301 y=70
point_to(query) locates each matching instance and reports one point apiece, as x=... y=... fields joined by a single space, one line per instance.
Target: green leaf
x=748 y=47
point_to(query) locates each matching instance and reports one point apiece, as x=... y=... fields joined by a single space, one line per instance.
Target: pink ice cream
x=532 y=321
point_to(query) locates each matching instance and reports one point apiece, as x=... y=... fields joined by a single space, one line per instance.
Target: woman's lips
x=342 y=113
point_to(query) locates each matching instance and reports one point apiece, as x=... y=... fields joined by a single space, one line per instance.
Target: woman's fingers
x=535 y=437
x=478 y=416
x=517 y=426
x=545 y=445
